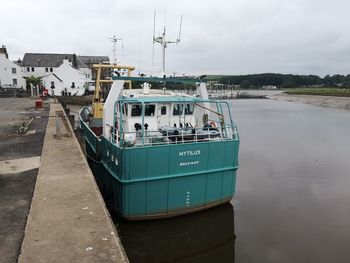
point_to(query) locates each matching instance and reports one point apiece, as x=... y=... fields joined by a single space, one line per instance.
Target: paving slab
x=19 y=165
x=68 y=220
x=16 y=191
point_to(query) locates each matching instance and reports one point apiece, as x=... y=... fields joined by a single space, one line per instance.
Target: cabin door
x=163 y=115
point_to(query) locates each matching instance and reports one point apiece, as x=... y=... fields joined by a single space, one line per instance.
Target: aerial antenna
x=163 y=42
x=139 y=55
x=154 y=35
x=114 y=40
x=178 y=39
x=123 y=51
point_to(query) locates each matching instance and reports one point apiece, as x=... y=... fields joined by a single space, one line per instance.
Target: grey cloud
x=219 y=37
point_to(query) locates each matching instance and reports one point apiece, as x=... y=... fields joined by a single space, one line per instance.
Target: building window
x=46 y=69
x=52 y=84
x=28 y=69
x=14 y=81
x=51 y=69
x=32 y=69
x=14 y=71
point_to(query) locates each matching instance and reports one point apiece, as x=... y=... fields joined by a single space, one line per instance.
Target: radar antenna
x=163 y=42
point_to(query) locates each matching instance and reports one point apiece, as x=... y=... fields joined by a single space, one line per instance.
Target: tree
x=32 y=80
x=245 y=84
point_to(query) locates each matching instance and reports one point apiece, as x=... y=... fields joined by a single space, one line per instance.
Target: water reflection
x=206 y=236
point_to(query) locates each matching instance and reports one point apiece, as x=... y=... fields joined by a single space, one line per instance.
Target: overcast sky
x=218 y=37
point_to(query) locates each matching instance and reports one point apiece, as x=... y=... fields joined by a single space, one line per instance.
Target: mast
x=114 y=40
x=163 y=41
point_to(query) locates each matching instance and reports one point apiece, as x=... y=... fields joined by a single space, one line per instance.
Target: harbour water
x=292 y=199
x=292 y=202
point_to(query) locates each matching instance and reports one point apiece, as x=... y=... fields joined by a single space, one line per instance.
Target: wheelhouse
x=152 y=120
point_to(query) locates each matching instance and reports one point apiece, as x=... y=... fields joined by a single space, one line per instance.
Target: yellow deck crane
x=103 y=76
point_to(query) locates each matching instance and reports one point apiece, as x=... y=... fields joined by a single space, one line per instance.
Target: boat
x=156 y=153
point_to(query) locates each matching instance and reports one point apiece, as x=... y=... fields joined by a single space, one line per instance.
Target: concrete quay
x=68 y=220
x=19 y=162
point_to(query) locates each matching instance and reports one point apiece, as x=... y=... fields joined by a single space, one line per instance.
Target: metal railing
x=172 y=136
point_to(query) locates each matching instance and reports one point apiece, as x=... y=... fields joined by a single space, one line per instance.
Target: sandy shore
x=342 y=103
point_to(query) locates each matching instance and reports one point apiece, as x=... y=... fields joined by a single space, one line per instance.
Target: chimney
x=3 y=50
x=74 y=62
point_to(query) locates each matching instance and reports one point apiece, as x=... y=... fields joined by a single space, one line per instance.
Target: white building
x=61 y=73
x=67 y=80
x=10 y=73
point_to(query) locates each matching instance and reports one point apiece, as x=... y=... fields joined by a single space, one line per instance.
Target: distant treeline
x=284 y=80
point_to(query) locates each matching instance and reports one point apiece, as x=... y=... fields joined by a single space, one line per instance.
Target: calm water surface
x=292 y=202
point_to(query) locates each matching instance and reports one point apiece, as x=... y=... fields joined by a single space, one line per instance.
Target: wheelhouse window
x=163 y=110
x=136 y=110
x=178 y=108
x=150 y=109
x=125 y=109
x=189 y=109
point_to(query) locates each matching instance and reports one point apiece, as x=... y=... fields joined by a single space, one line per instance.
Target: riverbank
x=341 y=103
x=334 y=92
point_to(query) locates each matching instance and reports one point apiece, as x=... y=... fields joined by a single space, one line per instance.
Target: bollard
x=72 y=121
x=60 y=115
x=38 y=104
x=67 y=111
x=58 y=126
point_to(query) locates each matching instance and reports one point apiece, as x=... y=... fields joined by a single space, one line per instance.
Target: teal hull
x=164 y=180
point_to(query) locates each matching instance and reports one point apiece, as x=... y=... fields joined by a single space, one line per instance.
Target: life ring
x=212 y=124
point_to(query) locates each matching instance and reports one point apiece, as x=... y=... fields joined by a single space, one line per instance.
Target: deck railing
x=172 y=136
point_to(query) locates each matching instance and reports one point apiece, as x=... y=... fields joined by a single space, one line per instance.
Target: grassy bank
x=338 y=92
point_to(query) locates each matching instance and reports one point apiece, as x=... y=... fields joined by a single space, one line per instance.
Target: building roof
x=89 y=60
x=55 y=60
x=57 y=77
